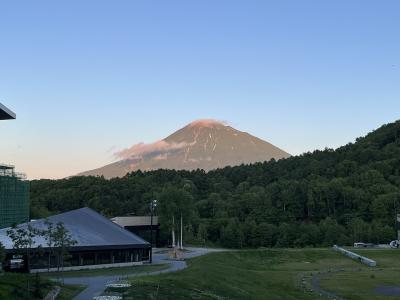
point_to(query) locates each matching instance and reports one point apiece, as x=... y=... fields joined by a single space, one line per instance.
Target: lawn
x=68 y=292
x=253 y=274
x=108 y=271
x=360 y=282
x=271 y=274
x=15 y=286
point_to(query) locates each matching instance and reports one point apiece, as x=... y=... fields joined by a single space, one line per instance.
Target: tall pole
x=181 y=234
x=151 y=233
x=153 y=205
x=398 y=227
x=173 y=231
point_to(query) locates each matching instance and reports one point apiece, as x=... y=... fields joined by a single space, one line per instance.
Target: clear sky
x=88 y=78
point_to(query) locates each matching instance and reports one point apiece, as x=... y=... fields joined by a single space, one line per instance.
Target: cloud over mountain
x=203 y=144
x=142 y=149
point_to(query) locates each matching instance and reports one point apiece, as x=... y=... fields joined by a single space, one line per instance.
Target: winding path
x=319 y=290
x=96 y=284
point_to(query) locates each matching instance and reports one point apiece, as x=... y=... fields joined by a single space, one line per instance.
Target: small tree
x=2 y=256
x=22 y=240
x=48 y=234
x=62 y=240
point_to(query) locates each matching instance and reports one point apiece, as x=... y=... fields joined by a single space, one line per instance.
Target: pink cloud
x=161 y=157
x=207 y=123
x=142 y=149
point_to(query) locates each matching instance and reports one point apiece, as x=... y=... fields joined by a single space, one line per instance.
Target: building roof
x=135 y=221
x=5 y=113
x=90 y=229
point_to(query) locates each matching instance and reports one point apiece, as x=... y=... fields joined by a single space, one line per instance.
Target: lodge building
x=99 y=243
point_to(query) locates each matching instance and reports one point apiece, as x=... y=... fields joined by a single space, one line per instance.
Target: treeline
x=332 y=196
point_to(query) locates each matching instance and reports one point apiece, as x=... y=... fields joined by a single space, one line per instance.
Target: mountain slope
x=203 y=144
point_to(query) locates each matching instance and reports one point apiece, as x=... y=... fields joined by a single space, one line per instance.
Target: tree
x=268 y=234
x=202 y=233
x=331 y=231
x=288 y=233
x=49 y=234
x=175 y=206
x=231 y=235
x=2 y=253
x=360 y=230
x=62 y=240
x=23 y=240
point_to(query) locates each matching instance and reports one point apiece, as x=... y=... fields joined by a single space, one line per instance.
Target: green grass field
x=15 y=286
x=68 y=292
x=359 y=283
x=271 y=274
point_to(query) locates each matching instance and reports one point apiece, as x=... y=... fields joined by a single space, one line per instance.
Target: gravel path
x=317 y=289
x=96 y=285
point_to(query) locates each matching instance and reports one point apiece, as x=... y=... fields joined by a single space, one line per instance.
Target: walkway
x=96 y=285
x=319 y=290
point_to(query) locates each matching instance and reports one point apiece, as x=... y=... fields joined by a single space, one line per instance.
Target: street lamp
x=153 y=205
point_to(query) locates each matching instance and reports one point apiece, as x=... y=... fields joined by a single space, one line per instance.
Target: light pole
x=153 y=205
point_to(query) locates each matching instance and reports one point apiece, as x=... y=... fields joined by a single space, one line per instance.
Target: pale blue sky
x=87 y=78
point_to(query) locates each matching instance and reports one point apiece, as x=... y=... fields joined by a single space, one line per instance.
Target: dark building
x=14 y=189
x=14 y=197
x=143 y=226
x=98 y=242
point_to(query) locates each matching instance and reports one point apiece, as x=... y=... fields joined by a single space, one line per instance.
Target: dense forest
x=316 y=199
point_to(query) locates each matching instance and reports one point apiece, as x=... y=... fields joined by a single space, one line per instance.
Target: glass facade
x=14 y=197
x=88 y=258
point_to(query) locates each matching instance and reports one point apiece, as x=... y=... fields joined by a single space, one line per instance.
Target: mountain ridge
x=202 y=144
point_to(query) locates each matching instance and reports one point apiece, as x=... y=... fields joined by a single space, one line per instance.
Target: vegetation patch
x=272 y=274
x=250 y=274
x=23 y=286
x=68 y=292
x=362 y=282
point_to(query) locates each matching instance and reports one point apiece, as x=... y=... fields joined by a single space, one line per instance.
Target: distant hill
x=203 y=144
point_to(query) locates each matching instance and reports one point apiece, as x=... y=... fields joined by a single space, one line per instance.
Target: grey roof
x=5 y=113
x=88 y=228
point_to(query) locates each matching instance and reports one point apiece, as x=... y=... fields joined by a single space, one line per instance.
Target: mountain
x=202 y=144
x=319 y=198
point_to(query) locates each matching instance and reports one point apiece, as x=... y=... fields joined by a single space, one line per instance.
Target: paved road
x=96 y=285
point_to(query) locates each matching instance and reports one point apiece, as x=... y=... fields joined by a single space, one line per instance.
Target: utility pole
x=173 y=231
x=153 y=205
x=398 y=227
x=181 y=234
